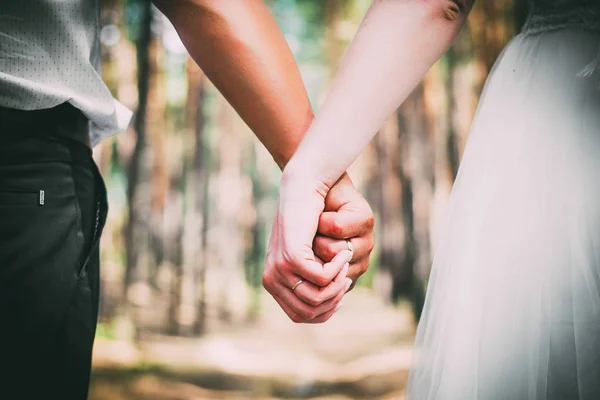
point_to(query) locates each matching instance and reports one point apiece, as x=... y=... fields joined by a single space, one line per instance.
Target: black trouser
x=52 y=212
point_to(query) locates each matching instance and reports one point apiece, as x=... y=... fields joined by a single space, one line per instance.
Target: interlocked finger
x=304 y=310
x=314 y=295
x=326 y=248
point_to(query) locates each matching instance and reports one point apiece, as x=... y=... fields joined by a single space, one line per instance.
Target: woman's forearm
x=240 y=48
x=397 y=42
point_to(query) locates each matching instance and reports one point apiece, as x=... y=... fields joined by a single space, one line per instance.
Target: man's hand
x=309 y=285
x=347 y=216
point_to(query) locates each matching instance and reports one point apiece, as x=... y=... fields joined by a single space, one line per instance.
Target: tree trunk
x=198 y=183
x=335 y=48
x=232 y=298
x=256 y=257
x=414 y=170
x=387 y=206
x=173 y=253
x=137 y=240
x=451 y=144
x=520 y=11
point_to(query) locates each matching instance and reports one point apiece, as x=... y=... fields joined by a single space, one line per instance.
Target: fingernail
x=350 y=255
x=338 y=307
x=348 y=284
x=346 y=266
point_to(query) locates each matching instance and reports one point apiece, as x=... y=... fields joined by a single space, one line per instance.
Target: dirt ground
x=362 y=353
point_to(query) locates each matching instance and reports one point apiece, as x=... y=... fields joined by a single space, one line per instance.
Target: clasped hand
x=309 y=266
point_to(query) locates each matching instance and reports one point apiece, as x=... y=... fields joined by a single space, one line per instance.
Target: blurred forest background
x=192 y=193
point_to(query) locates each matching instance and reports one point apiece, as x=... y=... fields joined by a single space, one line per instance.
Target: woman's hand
x=307 y=288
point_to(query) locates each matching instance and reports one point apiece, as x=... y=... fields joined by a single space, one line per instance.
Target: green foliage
x=367 y=279
x=301 y=21
x=105 y=330
x=134 y=14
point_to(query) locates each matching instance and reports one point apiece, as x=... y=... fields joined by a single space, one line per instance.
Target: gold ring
x=350 y=248
x=297 y=284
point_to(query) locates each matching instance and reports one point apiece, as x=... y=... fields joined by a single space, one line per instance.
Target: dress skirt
x=513 y=301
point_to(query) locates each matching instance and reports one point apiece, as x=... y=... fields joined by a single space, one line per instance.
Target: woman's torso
x=545 y=15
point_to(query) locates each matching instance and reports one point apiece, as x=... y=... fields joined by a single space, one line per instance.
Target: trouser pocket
x=14 y=197
x=39 y=249
x=49 y=279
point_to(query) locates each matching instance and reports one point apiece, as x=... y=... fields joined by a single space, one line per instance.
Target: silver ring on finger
x=350 y=249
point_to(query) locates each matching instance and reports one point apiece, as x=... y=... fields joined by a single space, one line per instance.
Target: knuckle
x=326 y=318
x=266 y=280
x=316 y=300
x=359 y=272
x=363 y=267
x=321 y=252
x=308 y=314
x=311 y=315
x=320 y=241
x=336 y=227
x=370 y=245
x=297 y=319
x=279 y=262
x=271 y=269
x=282 y=267
x=330 y=252
x=289 y=257
x=321 y=280
x=370 y=220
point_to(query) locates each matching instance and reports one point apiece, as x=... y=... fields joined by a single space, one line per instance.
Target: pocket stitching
x=19 y=196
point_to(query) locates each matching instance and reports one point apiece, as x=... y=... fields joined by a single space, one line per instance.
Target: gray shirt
x=49 y=54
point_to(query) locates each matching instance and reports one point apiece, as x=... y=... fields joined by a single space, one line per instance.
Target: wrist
x=292 y=138
x=297 y=182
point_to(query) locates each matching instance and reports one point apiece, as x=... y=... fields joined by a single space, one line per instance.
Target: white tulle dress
x=513 y=302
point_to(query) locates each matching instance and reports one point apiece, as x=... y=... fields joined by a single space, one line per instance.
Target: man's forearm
x=240 y=48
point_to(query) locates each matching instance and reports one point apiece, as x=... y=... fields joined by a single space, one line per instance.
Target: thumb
x=299 y=223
